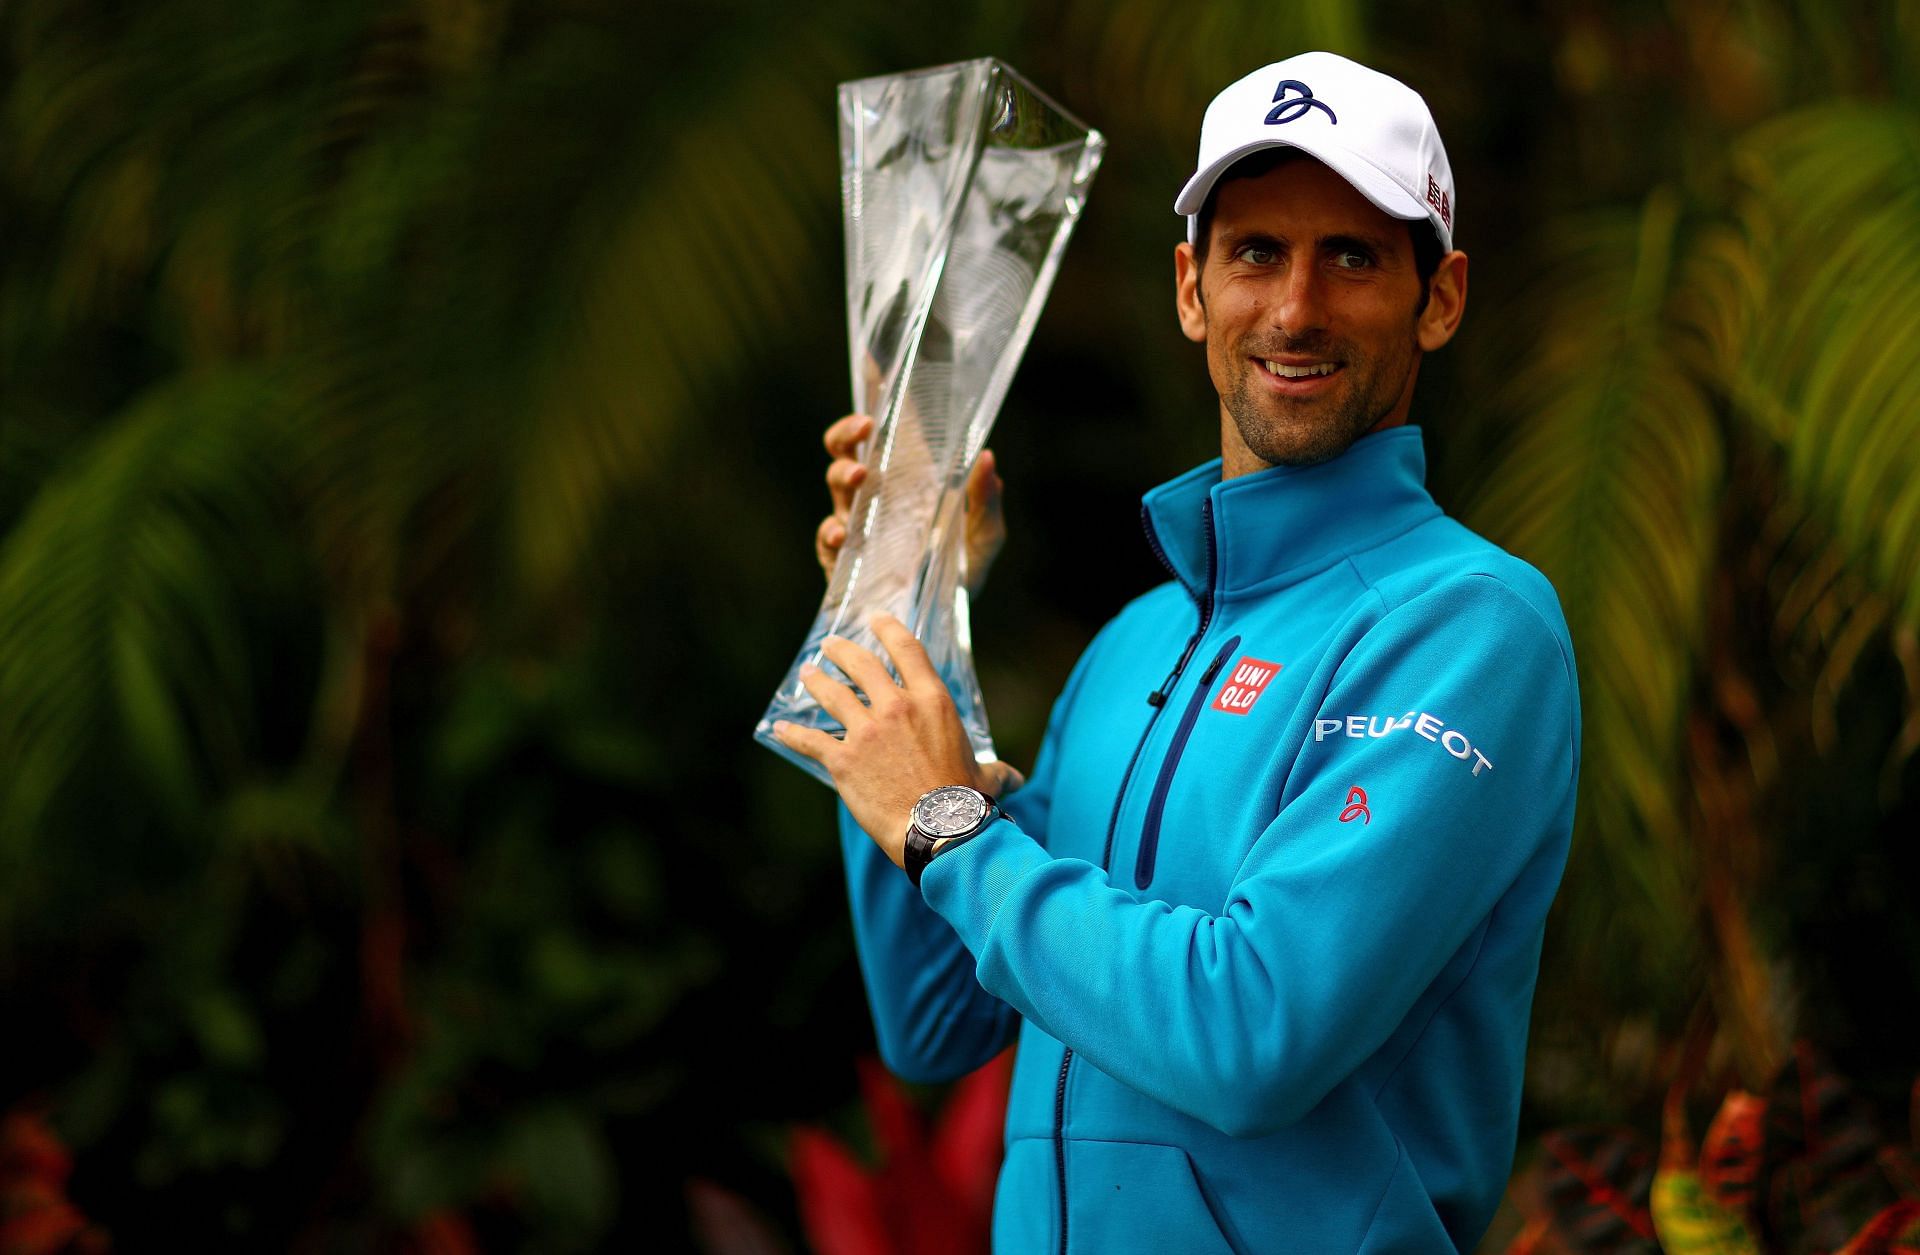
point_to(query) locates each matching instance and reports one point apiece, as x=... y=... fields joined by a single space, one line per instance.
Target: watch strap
x=922 y=847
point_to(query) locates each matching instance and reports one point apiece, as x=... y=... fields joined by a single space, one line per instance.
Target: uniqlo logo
x=1244 y=684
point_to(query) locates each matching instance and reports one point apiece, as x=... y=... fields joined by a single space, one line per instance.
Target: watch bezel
x=940 y=829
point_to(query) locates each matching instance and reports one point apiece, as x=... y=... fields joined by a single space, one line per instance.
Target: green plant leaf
x=1607 y=483
x=1833 y=209
x=121 y=598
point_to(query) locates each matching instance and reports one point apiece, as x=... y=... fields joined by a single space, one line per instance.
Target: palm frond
x=1607 y=483
x=164 y=145
x=1120 y=59
x=1833 y=207
x=693 y=263
x=124 y=664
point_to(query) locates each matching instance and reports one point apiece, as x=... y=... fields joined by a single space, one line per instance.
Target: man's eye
x=1352 y=259
x=1256 y=254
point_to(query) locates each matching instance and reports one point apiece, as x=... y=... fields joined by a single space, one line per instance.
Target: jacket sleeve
x=931 y=1018
x=1247 y=1018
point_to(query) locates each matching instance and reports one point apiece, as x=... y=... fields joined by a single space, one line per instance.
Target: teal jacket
x=1266 y=919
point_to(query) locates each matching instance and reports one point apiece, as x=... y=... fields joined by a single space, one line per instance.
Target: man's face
x=1306 y=303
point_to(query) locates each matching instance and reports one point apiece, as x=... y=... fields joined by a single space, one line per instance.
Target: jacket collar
x=1280 y=525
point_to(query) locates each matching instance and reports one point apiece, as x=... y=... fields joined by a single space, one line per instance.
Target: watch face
x=950 y=811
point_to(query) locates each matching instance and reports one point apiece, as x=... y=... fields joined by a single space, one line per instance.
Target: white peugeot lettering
x=1424 y=724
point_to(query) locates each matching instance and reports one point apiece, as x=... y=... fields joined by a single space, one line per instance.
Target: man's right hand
x=986 y=523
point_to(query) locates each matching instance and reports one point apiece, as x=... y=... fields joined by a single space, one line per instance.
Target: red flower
x=35 y=1216
x=927 y=1196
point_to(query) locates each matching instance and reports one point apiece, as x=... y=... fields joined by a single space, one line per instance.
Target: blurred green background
x=409 y=458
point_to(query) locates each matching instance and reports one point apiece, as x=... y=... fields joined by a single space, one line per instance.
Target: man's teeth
x=1297 y=372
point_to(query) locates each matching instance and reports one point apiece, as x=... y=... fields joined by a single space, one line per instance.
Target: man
x=1267 y=919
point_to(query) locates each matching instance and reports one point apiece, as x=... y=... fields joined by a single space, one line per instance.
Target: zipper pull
x=1159 y=696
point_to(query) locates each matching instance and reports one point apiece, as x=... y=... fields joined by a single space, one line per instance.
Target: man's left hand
x=905 y=739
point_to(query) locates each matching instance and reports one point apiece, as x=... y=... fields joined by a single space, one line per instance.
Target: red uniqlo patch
x=1244 y=684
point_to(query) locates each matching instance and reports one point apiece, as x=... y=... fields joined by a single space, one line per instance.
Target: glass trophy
x=959 y=187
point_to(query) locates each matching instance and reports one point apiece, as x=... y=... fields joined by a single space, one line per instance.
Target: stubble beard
x=1281 y=431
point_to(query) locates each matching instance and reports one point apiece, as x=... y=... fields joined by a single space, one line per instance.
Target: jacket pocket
x=1136 y=1196
x=1024 y=1199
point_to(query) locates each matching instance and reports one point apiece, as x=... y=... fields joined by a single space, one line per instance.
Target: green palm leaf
x=1607 y=483
x=1121 y=55
x=697 y=261
x=124 y=665
x=1830 y=376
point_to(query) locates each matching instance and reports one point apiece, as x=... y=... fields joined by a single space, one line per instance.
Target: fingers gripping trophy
x=960 y=186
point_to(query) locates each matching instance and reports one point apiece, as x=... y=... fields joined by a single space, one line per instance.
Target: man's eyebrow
x=1236 y=240
x=1379 y=246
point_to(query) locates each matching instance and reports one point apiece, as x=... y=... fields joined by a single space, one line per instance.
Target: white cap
x=1372 y=130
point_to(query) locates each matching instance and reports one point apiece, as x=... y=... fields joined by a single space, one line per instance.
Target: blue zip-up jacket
x=1267 y=917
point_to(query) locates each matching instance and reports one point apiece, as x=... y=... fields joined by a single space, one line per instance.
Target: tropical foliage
x=1708 y=431
x=1802 y=1168
x=409 y=421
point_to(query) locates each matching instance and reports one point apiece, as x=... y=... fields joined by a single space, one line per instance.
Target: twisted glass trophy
x=959 y=185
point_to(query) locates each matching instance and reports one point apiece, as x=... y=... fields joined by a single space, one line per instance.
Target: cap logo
x=1439 y=200
x=1296 y=108
x=1285 y=110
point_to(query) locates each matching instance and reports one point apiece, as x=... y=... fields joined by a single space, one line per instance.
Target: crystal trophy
x=959 y=187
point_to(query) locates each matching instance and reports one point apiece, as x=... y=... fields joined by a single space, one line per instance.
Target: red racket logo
x=1356 y=807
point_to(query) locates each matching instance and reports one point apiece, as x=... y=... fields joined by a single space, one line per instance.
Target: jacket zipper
x=1157 y=804
x=1158 y=700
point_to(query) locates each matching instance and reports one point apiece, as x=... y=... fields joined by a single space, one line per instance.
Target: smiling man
x=1313 y=337
x=1266 y=922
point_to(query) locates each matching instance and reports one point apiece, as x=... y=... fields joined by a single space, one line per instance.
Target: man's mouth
x=1284 y=370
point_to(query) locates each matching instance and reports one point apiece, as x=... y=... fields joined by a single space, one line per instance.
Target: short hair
x=1426 y=241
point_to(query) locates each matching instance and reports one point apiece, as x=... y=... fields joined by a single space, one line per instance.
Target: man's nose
x=1300 y=300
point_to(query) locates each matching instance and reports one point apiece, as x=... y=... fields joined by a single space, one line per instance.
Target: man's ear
x=1446 y=302
x=1186 y=294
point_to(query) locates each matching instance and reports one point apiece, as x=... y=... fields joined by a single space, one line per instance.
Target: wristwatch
x=943 y=818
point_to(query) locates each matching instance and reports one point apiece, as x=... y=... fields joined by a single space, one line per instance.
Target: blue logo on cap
x=1293 y=110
